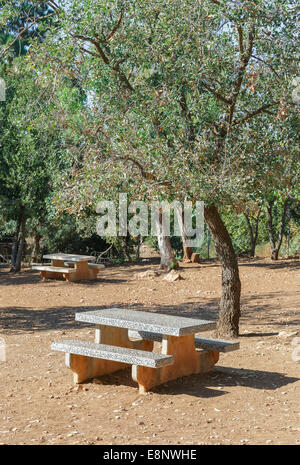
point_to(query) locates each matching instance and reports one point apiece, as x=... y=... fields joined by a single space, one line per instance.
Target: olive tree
x=172 y=86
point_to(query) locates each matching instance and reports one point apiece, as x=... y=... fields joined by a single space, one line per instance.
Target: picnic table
x=125 y=337
x=72 y=267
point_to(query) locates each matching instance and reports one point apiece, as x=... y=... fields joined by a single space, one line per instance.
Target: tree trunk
x=253 y=231
x=126 y=247
x=166 y=252
x=36 y=253
x=229 y=314
x=138 y=248
x=164 y=244
x=187 y=249
x=17 y=266
x=208 y=243
x=276 y=248
x=187 y=254
x=15 y=246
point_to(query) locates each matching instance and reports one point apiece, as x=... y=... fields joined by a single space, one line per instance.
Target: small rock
x=146 y=274
x=173 y=276
x=285 y=334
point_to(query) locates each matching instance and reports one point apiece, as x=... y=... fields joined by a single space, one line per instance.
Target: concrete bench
x=53 y=269
x=48 y=271
x=113 y=353
x=115 y=349
x=90 y=265
x=217 y=345
x=100 y=266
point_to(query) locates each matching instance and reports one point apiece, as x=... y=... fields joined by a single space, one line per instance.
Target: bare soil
x=251 y=396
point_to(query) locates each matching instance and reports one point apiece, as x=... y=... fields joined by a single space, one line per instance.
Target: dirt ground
x=252 y=396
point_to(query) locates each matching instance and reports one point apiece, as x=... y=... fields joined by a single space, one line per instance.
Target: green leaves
x=187 y=97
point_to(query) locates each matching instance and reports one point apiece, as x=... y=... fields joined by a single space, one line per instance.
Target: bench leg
x=51 y=275
x=187 y=361
x=85 y=368
x=83 y=272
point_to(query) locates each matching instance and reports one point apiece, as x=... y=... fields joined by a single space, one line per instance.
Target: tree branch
x=144 y=173
x=241 y=43
x=25 y=29
x=268 y=64
x=216 y=93
x=114 y=30
x=107 y=61
x=244 y=60
x=262 y=109
x=88 y=51
x=187 y=115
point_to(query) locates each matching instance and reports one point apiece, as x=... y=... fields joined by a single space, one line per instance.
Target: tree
x=30 y=151
x=173 y=88
x=273 y=164
x=276 y=243
x=21 y=22
x=253 y=222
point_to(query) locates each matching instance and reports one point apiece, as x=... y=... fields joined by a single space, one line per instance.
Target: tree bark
x=187 y=254
x=187 y=249
x=253 y=231
x=15 y=246
x=17 y=266
x=36 y=248
x=138 y=248
x=229 y=314
x=167 y=256
x=275 y=248
x=126 y=248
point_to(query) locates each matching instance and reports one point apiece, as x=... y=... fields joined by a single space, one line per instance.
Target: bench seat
x=114 y=353
x=53 y=269
x=217 y=345
x=90 y=265
x=96 y=265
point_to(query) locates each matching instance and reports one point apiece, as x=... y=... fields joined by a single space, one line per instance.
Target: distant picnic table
x=72 y=267
x=125 y=337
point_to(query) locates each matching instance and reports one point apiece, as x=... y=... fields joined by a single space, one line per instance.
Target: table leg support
x=187 y=361
x=85 y=368
x=83 y=272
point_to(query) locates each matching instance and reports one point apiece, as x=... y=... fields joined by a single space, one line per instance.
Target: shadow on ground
x=212 y=384
x=21 y=319
x=29 y=277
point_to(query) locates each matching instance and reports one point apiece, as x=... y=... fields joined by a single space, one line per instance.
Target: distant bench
x=93 y=266
x=72 y=267
x=48 y=271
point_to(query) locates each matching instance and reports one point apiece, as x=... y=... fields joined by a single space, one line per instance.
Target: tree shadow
x=258 y=334
x=24 y=277
x=21 y=319
x=15 y=320
x=268 y=313
x=30 y=277
x=293 y=264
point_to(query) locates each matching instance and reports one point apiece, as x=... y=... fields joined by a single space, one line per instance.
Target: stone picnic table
x=125 y=337
x=72 y=267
